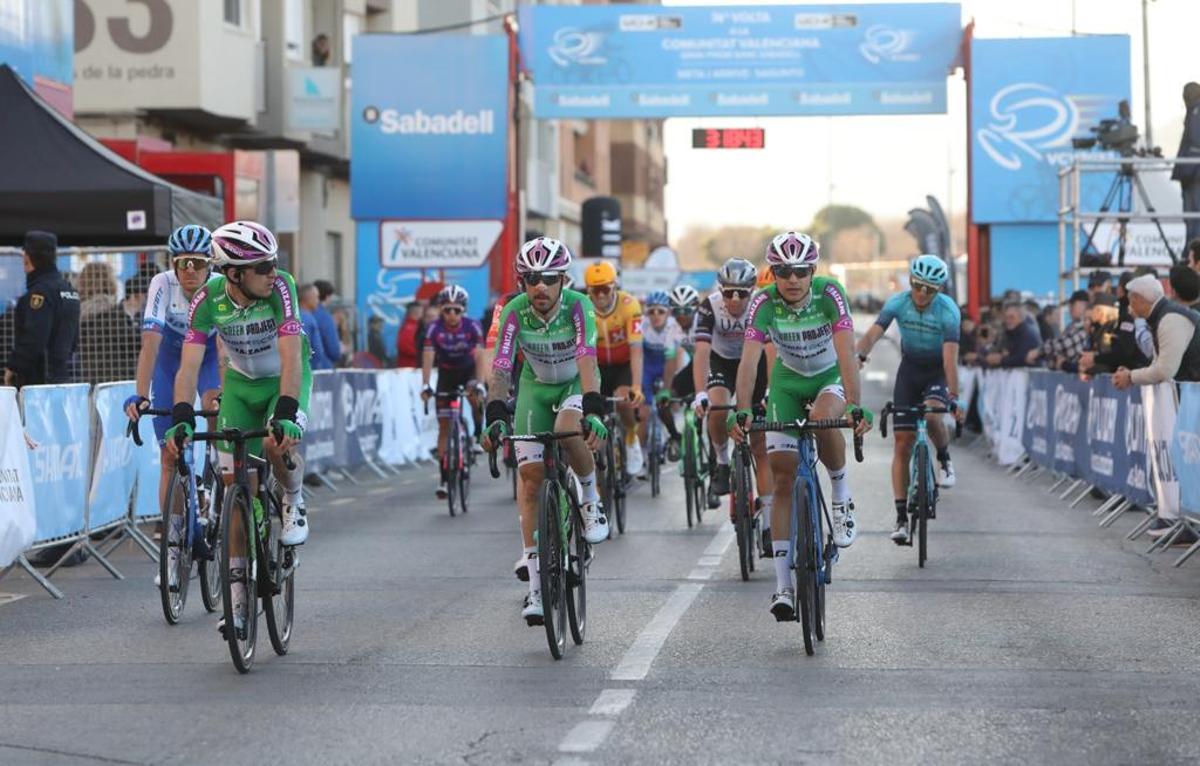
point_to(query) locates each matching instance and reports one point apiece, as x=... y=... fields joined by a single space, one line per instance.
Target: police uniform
x=46 y=322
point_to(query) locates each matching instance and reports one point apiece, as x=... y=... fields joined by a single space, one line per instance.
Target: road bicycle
x=612 y=464
x=270 y=571
x=190 y=528
x=746 y=523
x=564 y=555
x=656 y=448
x=813 y=550
x=922 y=482
x=458 y=457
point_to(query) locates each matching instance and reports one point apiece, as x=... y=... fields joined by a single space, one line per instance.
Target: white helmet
x=543 y=254
x=793 y=249
x=243 y=243
x=684 y=297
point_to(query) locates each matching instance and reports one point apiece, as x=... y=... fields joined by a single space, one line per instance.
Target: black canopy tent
x=54 y=176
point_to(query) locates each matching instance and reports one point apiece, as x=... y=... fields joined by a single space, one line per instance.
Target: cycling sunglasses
x=600 y=289
x=264 y=268
x=921 y=287
x=786 y=272
x=452 y=309
x=734 y=292
x=656 y=310
x=542 y=279
x=195 y=263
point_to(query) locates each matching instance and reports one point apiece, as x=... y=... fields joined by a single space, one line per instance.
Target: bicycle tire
x=922 y=457
x=803 y=564
x=826 y=554
x=450 y=469
x=579 y=553
x=464 y=471
x=608 y=493
x=174 y=602
x=691 y=474
x=621 y=482
x=551 y=569
x=279 y=598
x=653 y=457
x=241 y=648
x=210 y=569
x=742 y=513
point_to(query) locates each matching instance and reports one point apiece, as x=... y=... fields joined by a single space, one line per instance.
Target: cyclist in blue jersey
x=929 y=331
x=164 y=326
x=661 y=338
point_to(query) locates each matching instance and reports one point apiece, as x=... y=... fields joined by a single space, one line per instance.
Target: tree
x=832 y=220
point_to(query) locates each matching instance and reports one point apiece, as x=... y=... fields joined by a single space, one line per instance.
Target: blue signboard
x=429 y=132
x=37 y=39
x=608 y=61
x=1029 y=98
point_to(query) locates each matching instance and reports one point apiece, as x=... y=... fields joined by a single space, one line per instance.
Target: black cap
x=1104 y=300
x=1078 y=295
x=40 y=243
x=1097 y=278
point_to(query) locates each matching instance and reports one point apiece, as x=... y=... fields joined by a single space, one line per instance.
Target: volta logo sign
x=884 y=43
x=1029 y=120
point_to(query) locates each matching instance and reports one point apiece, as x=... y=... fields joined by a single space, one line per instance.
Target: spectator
x=409 y=337
x=1020 y=337
x=345 y=330
x=1188 y=175
x=1049 y=319
x=137 y=288
x=310 y=300
x=1122 y=347
x=1063 y=352
x=1193 y=254
x=968 y=343
x=375 y=345
x=321 y=50
x=45 y=320
x=109 y=341
x=1173 y=327
x=1099 y=283
x=329 y=330
x=1185 y=284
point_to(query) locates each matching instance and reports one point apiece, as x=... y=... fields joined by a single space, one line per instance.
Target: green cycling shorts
x=249 y=403
x=538 y=403
x=792 y=393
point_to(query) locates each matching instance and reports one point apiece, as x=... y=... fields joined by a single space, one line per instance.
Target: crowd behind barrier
x=1139 y=447
x=71 y=475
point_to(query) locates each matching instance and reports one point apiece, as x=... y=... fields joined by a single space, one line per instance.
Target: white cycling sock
x=238 y=588
x=783 y=563
x=293 y=488
x=767 y=502
x=722 y=450
x=535 y=581
x=839 y=485
x=587 y=483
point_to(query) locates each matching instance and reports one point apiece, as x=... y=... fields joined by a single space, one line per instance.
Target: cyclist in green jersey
x=815 y=376
x=254 y=309
x=555 y=329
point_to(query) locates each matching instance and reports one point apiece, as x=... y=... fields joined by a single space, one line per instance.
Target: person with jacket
x=1176 y=342
x=45 y=320
x=1020 y=337
x=109 y=341
x=310 y=301
x=1188 y=175
x=1185 y=284
x=1122 y=347
x=329 y=330
x=410 y=337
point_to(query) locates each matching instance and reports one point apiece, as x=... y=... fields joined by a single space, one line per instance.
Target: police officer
x=46 y=319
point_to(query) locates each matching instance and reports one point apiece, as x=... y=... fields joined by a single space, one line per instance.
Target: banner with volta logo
x=612 y=61
x=1029 y=98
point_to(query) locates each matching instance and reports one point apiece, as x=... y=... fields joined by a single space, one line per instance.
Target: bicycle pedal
x=534 y=621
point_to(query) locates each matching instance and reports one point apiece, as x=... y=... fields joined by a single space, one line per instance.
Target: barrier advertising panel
x=58 y=420
x=17 y=520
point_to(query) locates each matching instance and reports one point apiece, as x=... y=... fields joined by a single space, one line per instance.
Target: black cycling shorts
x=917 y=383
x=722 y=373
x=682 y=385
x=613 y=376
x=448 y=382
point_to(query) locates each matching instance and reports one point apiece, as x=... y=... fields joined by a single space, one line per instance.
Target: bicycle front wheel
x=655 y=463
x=620 y=481
x=579 y=556
x=691 y=473
x=241 y=619
x=551 y=568
x=210 y=568
x=174 y=553
x=742 y=513
x=464 y=471
x=450 y=465
x=921 y=456
x=279 y=582
x=804 y=563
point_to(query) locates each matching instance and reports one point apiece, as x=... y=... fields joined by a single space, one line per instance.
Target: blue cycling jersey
x=922 y=333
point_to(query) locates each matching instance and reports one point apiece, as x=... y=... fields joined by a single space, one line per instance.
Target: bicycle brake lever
x=132 y=432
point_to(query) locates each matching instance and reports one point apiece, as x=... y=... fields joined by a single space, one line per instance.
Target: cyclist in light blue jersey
x=929 y=331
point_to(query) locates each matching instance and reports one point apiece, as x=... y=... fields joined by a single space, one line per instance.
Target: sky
x=887 y=165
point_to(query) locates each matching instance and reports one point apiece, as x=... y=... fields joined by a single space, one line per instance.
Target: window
x=233 y=12
x=333 y=252
x=293 y=29
x=351 y=25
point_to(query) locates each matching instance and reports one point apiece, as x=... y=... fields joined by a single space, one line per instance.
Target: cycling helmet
x=685 y=297
x=765 y=277
x=657 y=298
x=453 y=294
x=929 y=269
x=190 y=239
x=243 y=243
x=737 y=272
x=600 y=273
x=543 y=254
x=793 y=249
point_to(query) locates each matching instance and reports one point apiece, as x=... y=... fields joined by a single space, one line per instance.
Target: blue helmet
x=929 y=269
x=192 y=238
x=657 y=298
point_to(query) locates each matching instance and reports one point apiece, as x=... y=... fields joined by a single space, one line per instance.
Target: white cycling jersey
x=717 y=326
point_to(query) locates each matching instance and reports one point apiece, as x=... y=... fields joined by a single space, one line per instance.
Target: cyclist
x=660 y=352
x=720 y=330
x=618 y=351
x=815 y=375
x=455 y=343
x=560 y=389
x=929 y=323
x=683 y=302
x=254 y=309
x=163 y=329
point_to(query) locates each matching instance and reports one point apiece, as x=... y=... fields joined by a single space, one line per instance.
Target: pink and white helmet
x=243 y=243
x=793 y=249
x=543 y=254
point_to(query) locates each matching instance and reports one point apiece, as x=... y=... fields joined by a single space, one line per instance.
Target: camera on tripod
x=1116 y=134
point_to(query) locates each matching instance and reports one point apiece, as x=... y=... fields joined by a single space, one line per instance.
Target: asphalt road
x=1030 y=637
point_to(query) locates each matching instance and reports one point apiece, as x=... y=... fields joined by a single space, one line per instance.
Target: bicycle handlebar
x=812 y=425
x=541 y=436
x=919 y=410
x=132 y=430
x=238 y=435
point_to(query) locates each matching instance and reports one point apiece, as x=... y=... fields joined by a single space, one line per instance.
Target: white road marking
x=612 y=702
x=586 y=736
x=11 y=598
x=638 y=658
x=341 y=501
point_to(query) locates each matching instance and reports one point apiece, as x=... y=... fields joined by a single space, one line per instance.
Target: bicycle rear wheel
x=804 y=563
x=279 y=584
x=742 y=513
x=825 y=556
x=241 y=641
x=921 y=456
x=210 y=568
x=608 y=489
x=655 y=463
x=551 y=568
x=619 y=482
x=579 y=554
x=174 y=538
